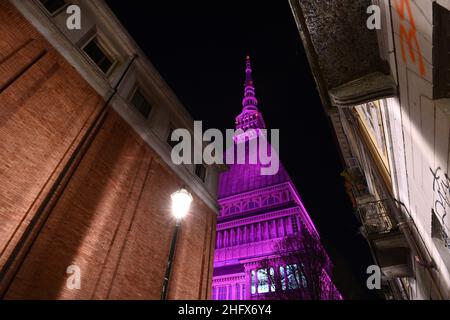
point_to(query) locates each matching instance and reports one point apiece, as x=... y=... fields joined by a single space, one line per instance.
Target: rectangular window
x=141 y=104
x=253 y=282
x=222 y=293
x=98 y=56
x=53 y=5
x=272 y=279
x=283 y=278
x=438 y=231
x=441 y=52
x=263 y=281
x=200 y=171
x=294 y=224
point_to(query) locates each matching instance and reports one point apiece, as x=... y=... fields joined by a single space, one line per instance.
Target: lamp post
x=181 y=201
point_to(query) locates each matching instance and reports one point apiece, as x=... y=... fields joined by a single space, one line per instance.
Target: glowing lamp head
x=181 y=201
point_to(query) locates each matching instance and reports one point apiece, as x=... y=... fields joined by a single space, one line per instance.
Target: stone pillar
x=245 y=235
x=219 y=240
x=226 y=238
x=248 y=281
x=267 y=231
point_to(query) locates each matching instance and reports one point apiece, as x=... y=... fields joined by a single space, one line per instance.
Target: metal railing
x=376 y=217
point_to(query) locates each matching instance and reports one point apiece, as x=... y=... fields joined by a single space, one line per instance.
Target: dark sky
x=200 y=47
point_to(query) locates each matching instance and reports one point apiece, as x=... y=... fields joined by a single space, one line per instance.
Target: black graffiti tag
x=441 y=188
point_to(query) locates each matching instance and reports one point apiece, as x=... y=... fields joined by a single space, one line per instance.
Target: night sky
x=200 y=47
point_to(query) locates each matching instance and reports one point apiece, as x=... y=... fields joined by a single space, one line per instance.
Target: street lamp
x=181 y=201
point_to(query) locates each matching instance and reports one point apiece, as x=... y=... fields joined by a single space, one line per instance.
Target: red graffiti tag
x=409 y=35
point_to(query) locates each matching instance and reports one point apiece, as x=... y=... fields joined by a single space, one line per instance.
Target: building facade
x=387 y=92
x=256 y=213
x=86 y=173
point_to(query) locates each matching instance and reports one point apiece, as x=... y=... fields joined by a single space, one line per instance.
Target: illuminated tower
x=256 y=212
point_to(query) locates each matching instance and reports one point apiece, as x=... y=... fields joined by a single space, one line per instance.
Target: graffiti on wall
x=441 y=204
x=408 y=37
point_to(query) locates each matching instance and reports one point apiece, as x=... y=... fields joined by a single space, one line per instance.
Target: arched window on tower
x=251 y=205
x=271 y=200
x=234 y=209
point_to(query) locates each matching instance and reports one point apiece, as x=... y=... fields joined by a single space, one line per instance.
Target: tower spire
x=249 y=102
x=250 y=117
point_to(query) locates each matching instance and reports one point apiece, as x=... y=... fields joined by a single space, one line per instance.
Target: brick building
x=85 y=169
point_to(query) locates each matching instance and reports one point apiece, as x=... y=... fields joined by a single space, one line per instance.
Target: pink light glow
x=256 y=212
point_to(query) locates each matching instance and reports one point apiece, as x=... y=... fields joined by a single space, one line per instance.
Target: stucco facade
x=393 y=134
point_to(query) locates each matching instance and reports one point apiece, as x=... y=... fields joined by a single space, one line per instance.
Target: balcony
x=356 y=187
x=376 y=218
x=388 y=243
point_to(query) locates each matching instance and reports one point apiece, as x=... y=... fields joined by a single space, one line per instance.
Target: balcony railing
x=376 y=217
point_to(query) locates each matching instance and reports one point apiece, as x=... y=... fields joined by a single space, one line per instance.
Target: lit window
x=200 y=171
x=271 y=279
x=53 y=5
x=263 y=281
x=253 y=282
x=283 y=278
x=98 y=56
x=293 y=279
x=141 y=104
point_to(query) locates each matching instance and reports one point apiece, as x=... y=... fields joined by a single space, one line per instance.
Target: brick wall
x=113 y=219
x=45 y=109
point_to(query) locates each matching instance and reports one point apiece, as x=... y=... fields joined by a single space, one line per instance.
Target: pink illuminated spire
x=249 y=102
x=250 y=117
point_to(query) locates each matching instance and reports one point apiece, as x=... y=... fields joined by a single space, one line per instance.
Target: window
x=283 y=278
x=438 y=230
x=253 y=280
x=294 y=224
x=441 y=52
x=251 y=205
x=234 y=210
x=270 y=201
x=222 y=295
x=272 y=278
x=98 y=56
x=293 y=276
x=141 y=104
x=263 y=281
x=53 y=5
x=200 y=171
